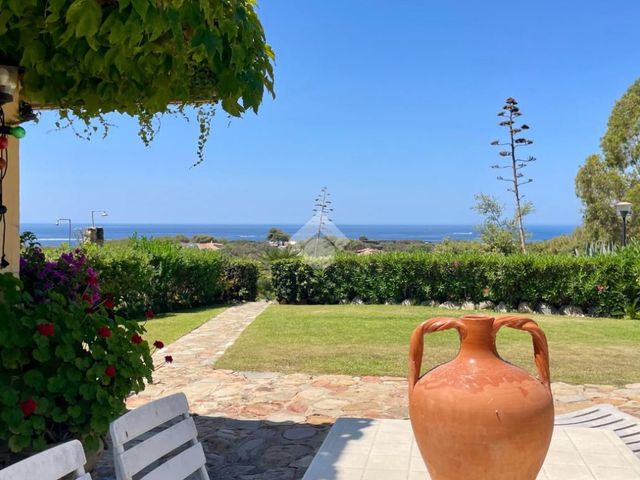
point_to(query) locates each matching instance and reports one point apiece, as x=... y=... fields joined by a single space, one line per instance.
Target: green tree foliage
x=621 y=143
x=599 y=186
x=615 y=175
x=497 y=233
x=139 y=57
x=278 y=236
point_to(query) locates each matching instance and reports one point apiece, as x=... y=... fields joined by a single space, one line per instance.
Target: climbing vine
x=145 y=58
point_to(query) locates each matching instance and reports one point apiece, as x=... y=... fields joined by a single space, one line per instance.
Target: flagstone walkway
x=268 y=425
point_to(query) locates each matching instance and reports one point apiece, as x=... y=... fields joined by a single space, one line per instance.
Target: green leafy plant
x=68 y=362
x=160 y=274
x=631 y=310
x=140 y=57
x=600 y=284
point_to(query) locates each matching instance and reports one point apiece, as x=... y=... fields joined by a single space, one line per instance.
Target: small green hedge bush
x=164 y=276
x=240 y=279
x=602 y=284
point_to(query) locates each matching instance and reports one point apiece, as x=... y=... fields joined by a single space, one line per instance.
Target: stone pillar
x=11 y=186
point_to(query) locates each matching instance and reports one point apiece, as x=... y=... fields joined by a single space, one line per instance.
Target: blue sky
x=391 y=105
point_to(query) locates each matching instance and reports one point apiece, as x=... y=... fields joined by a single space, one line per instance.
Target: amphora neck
x=477 y=337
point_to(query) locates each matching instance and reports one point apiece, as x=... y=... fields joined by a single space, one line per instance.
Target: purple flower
x=66 y=257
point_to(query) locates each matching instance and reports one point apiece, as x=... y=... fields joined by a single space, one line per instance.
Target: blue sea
x=51 y=235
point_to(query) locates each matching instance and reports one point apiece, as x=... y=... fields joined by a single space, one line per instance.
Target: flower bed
x=68 y=361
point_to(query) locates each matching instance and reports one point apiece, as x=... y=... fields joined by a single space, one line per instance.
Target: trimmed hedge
x=164 y=276
x=602 y=284
x=240 y=279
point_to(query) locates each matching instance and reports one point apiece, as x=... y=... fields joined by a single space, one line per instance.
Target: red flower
x=168 y=359
x=104 y=332
x=108 y=303
x=46 y=329
x=158 y=344
x=110 y=371
x=92 y=281
x=87 y=298
x=149 y=314
x=136 y=339
x=28 y=407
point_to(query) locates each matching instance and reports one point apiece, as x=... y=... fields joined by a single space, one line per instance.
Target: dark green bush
x=163 y=276
x=240 y=279
x=602 y=284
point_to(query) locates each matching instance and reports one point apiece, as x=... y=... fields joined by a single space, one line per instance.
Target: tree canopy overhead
x=139 y=57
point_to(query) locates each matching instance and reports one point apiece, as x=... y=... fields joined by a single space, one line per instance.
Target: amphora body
x=479 y=417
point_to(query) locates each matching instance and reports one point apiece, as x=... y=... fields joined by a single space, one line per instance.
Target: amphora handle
x=540 y=346
x=416 y=345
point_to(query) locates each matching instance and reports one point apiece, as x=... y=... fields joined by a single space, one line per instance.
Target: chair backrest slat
x=142 y=456
x=139 y=456
x=180 y=466
x=51 y=464
x=147 y=417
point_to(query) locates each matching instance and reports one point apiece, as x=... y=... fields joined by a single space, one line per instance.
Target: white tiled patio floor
x=364 y=449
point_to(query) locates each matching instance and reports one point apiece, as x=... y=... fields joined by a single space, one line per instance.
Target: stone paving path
x=267 y=425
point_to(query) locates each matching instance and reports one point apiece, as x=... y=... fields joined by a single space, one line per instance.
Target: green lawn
x=373 y=340
x=168 y=327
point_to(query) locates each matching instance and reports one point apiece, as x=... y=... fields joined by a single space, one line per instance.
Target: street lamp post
x=624 y=210
x=102 y=213
x=68 y=220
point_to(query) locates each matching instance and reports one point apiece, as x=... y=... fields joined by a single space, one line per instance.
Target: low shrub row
x=164 y=276
x=603 y=284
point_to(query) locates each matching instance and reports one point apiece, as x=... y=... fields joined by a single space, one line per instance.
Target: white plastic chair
x=51 y=464
x=134 y=459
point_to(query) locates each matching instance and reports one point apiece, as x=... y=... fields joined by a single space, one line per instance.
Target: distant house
x=367 y=251
x=209 y=246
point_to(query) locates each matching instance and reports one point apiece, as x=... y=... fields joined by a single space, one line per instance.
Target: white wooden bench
x=178 y=440
x=52 y=464
x=625 y=426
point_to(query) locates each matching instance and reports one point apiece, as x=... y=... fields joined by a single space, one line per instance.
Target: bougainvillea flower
x=104 y=332
x=110 y=371
x=46 y=329
x=149 y=314
x=136 y=339
x=158 y=344
x=28 y=407
x=168 y=359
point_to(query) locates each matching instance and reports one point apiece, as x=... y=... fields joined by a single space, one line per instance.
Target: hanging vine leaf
x=144 y=58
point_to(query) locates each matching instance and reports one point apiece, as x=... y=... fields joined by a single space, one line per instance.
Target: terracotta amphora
x=479 y=417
